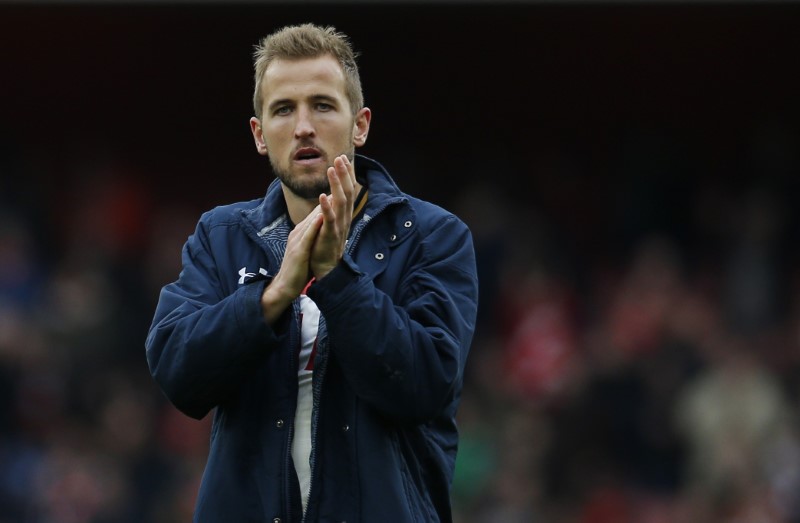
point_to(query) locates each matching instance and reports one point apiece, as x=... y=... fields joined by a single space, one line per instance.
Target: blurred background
x=628 y=170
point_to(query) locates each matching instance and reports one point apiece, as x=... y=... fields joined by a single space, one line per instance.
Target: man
x=328 y=323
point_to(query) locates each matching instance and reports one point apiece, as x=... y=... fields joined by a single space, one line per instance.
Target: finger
x=311 y=230
x=351 y=170
x=302 y=226
x=326 y=208
x=343 y=171
x=338 y=194
x=347 y=180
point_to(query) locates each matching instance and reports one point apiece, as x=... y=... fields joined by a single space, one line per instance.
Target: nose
x=304 y=127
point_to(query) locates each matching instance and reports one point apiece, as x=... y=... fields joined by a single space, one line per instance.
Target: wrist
x=274 y=301
x=321 y=272
x=337 y=282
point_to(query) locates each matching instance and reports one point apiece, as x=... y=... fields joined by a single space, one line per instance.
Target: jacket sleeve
x=201 y=342
x=406 y=358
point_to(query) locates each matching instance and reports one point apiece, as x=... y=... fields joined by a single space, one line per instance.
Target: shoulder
x=430 y=216
x=220 y=226
x=424 y=216
x=227 y=215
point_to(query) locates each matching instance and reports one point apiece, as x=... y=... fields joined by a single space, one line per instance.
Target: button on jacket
x=397 y=318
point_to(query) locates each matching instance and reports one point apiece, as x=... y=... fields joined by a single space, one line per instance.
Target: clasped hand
x=316 y=244
x=336 y=213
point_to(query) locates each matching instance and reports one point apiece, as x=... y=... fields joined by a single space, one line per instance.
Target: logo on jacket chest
x=244 y=275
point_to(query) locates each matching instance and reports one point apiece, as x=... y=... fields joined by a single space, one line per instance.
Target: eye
x=324 y=107
x=282 y=110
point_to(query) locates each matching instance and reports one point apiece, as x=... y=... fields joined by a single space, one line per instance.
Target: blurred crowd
x=639 y=346
x=637 y=358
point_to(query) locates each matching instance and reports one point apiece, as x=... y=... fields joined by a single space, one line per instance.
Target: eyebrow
x=324 y=98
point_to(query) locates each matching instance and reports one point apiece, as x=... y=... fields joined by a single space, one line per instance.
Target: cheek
x=275 y=135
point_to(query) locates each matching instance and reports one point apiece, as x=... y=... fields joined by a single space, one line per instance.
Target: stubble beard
x=307 y=186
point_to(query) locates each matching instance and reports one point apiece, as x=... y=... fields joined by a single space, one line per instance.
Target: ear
x=258 y=136
x=361 y=126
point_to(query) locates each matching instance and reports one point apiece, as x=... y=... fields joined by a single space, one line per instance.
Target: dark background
x=458 y=91
x=593 y=103
x=631 y=166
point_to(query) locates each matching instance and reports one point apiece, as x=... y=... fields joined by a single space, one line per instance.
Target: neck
x=298 y=207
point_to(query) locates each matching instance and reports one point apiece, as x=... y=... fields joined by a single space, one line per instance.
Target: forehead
x=303 y=77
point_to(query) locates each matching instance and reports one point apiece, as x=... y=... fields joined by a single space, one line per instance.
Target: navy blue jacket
x=397 y=318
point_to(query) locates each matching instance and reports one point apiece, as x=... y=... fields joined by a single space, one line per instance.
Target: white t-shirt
x=301 y=444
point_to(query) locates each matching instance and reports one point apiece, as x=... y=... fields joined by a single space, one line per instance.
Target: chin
x=309 y=191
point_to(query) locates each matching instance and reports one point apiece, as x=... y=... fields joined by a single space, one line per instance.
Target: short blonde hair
x=308 y=41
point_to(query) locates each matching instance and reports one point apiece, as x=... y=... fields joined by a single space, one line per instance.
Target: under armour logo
x=243 y=274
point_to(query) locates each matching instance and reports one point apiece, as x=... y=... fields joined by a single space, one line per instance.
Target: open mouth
x=307 y=154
